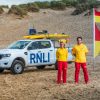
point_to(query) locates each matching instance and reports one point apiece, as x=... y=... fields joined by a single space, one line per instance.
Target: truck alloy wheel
x=17 y=67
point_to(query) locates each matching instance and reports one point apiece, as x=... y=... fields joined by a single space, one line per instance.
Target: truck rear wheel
x=1 y=70
x=17 y=67
x=40 y=67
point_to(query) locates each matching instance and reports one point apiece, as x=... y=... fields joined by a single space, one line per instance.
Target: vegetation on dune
x=80 y=6
x=17 y=11
x=84 y=5
x=58 y=5
x=70 y=2
x=43 y=5
x=30 y=7
x=1 y=10
x=23 y=9
x=4 y=6
x=23 y=6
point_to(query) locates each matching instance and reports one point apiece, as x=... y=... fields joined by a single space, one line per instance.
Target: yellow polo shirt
x=79 y=51
x=61 y=54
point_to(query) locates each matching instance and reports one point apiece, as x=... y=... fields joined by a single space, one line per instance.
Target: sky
x=11 y=2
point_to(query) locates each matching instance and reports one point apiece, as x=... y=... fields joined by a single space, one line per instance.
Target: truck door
x=40 y=53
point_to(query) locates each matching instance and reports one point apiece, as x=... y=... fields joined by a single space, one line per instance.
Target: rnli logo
x=39 y=58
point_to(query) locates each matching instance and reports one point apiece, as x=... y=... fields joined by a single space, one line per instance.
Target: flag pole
x=93 y=38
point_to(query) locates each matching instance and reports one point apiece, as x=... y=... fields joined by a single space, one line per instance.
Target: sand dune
x=53 y=21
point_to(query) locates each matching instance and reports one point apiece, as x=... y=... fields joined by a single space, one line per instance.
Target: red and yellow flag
x=96 y=33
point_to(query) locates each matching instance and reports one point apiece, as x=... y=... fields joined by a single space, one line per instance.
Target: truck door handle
x=51 y=50
x=39 y=51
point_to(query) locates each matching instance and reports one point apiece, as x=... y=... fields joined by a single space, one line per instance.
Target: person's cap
x=62 y=41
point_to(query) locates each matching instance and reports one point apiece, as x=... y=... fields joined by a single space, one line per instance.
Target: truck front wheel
x=1 y=70
x=17 y=67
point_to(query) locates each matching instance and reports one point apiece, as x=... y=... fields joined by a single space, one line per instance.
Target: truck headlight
x=6 y=55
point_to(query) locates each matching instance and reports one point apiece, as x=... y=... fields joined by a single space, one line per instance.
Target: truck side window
x=44 y=44
x=33 y=46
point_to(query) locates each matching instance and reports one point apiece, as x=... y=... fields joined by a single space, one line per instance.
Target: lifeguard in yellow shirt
x=79 y=51
x=61 y=56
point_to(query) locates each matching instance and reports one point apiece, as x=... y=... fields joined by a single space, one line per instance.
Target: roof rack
x=47 y=36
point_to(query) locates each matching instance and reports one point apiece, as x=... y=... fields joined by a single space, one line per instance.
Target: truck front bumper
x=5 y=63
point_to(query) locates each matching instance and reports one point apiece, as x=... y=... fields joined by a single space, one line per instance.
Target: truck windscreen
x=19 y=45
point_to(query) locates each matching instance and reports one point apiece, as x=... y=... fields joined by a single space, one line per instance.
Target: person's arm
x=67 y=54
x=86 y=50
x=74 y=52
x=57 y=55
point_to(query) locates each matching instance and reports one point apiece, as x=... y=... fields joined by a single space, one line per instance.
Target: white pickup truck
x=29 y=53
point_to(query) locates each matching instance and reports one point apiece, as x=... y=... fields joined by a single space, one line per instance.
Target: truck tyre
x=56 y=67
x=17 y=67
x=40 y=67
x=1 y=70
